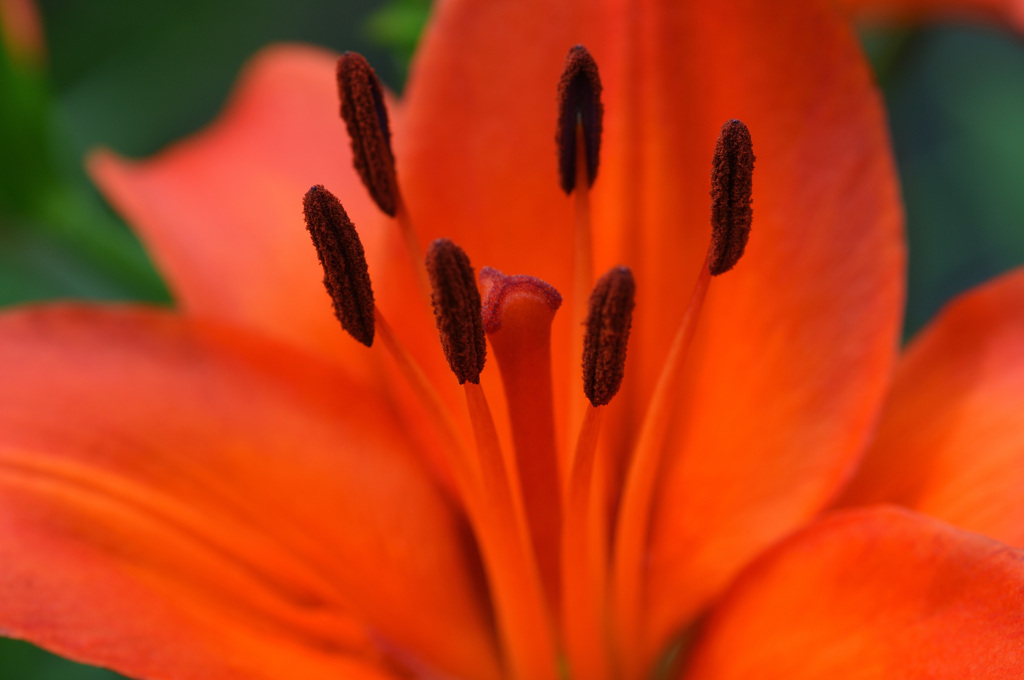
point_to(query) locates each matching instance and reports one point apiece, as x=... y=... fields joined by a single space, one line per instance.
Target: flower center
x=565 y=574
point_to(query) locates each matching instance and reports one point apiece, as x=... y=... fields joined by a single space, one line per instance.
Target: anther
x=732 y=173
x=341 y=255
x=579 y=104
x=604 y=347
x=457 y=309
x=366 y=117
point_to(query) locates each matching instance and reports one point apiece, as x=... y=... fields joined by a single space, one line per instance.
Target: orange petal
x=951 y=439
x=796 y=344
x=1004 y=11
x=221 y=212
x=476 y=149
x=877 y=593
x=177 y=500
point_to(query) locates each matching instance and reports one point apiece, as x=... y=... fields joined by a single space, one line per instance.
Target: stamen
x=579 y=103
x=731 y=218
x=583 y=273
x=634 y=510
x=496 y=514
x=584 y=561
x=341 y=255
x=366 y=117
x=458 y=460
x=517 y=317
x=608 y=323
x=732 y=173
x=524 y=618
x=457 y=309
x=584 y=549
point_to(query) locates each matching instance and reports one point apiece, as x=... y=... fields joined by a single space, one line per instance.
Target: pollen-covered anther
x=366 y=117
x=346 y=276
x=579 y=104
x=609 y=318
x=457 y=309
x=732 y=173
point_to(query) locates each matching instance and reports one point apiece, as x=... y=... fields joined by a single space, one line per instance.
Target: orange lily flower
x=239 y=490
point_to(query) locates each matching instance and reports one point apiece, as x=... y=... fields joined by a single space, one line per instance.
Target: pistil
x=578 y=140
x=517 y=317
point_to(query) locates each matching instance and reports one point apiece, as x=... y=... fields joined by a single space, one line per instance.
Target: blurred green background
x=135 y=76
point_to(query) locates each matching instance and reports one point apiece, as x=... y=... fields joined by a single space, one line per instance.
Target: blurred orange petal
x=183 y=501
x=876 y=593
x=951 y=440
x=21 y=30
x=220 y=212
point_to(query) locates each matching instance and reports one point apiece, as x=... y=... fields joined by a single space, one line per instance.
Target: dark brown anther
x=732 y=173
x=457 y=309
x=579 y=104
x=341 y=255
x=609 y=317
x=366 y=117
